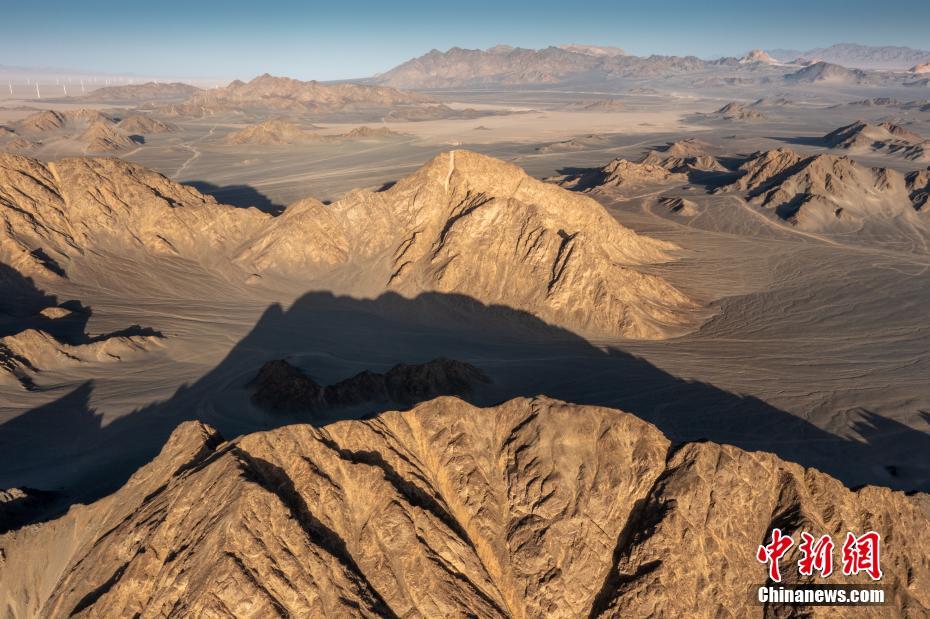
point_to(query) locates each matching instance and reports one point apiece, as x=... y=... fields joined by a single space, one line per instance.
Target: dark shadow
x=18 y=508
x=48 y=262
x=23 y=306
x=334 y=337
x=386 y=186
x=241 y=196
x=789 y=209
x=20 y=297
x=582 y=179
x=138 y=139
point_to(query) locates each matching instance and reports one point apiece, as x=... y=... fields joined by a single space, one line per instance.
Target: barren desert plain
x=524 y=333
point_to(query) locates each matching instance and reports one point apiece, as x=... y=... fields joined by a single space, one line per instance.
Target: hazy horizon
x=358 y=39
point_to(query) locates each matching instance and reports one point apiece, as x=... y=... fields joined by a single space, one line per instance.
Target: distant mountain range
x=858 y=56
x=503 y=65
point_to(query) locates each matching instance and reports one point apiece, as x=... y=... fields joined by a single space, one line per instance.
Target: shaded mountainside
x=39 y=333
x=532 y=508
x=463 y=223
x=280 y=386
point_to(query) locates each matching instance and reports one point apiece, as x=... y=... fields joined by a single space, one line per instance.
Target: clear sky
x=349 y=38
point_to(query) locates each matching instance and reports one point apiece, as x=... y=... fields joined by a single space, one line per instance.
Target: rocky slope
x=883 y=137
x=824 y=192
x=104 y=137
x=51 y=120
x=283 y=93
x=464 y=223
x=685 y=155
x=469 y=224
x=74 y=207
x=532 y=508
x=826 y=73
x=668 y=163
x=274 y=131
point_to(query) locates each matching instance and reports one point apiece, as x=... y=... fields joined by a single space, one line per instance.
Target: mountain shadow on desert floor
x=334 y=337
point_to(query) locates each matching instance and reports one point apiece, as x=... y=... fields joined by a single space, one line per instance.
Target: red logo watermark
x=859 y=554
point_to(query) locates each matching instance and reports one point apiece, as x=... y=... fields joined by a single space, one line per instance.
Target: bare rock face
x=619 y=172
x=369 y=133
x=884 y=137
x=464 y=223
x=473 y=225
x=139 y=124
x=104 y=136
x=757 y=56
x=823 y=192
x=73 y=205
x=683 y=156
x=529 y=509
x=281 y=386
x=670 y=162
x=50 y=120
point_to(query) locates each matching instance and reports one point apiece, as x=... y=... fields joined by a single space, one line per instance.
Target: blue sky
x=349 y=38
